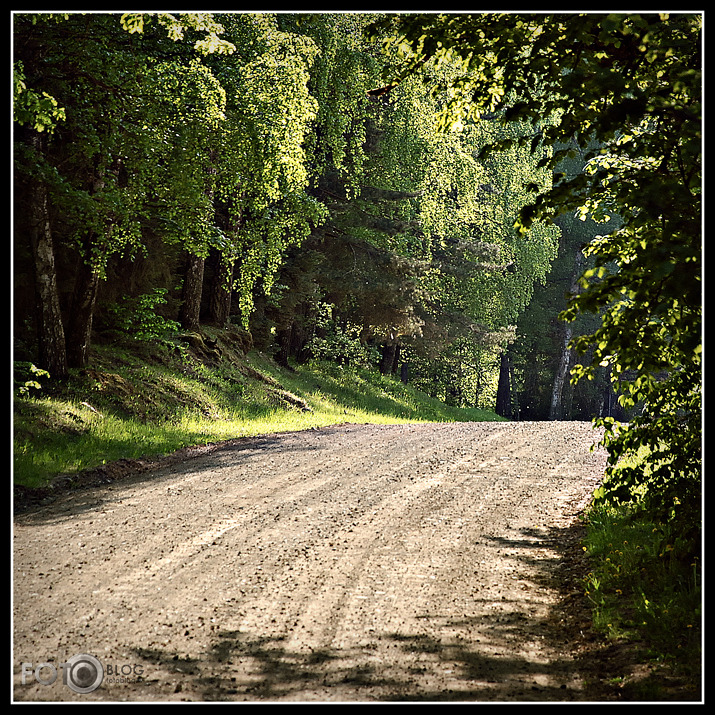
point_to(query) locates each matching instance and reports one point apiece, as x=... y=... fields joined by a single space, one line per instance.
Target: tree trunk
x=51 y=335
x=193 y=288
x=387 y=362
x=220 y=297
x=225 y=260
x=503 y=406
x=396 y=359
x=404 y=373
x=79 y=333
x=555 y=411
x=610 y=406
x=284 y=339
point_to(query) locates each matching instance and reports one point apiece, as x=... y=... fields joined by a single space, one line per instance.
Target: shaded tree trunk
x=190 y=310
x=219 y=309
x=555 y=411
x=610 y=407
x=503 y=406
x=79 y=333
x=396 y=359
x=404 y=373
x=284 y=339
x=220 y=296
x=51 y=335
x=387 y=363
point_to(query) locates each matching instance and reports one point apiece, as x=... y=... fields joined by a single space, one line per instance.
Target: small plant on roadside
x=644 y=583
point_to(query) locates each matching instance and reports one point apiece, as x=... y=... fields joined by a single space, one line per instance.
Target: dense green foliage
x=626 y=91
x=245 y=169
x=259 y=170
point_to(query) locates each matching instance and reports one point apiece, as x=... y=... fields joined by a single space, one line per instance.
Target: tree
x=168 y=131
x=632 y=83
x=483 y=271
x=542 y=354
x=418 y=248
x=37 y=113
x=50 y=329
x=263 y=197
x=128 y=120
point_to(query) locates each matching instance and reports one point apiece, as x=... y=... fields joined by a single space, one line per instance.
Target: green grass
x=366 y=396
x=645 y=587
x=145 y=400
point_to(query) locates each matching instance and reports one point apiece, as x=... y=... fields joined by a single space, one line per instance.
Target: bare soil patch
x=431 y=562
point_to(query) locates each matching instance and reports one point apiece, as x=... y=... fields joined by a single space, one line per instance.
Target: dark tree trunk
x=396 y=360
x=404 y=373
x=555 y=410
x=51 y=335
x=222 y=284
x=193 y=287
x=284 y=338
x=220 y=297
x=387 y=362
x=79 y=333
x=503 y=406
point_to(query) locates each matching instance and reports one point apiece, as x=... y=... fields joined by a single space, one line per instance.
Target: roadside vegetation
x=645 y=587
x=143 y=399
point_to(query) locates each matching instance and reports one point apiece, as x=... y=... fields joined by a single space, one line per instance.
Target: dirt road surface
x=349 y=564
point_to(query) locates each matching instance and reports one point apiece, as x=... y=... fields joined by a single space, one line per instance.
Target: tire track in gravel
x=353 y=563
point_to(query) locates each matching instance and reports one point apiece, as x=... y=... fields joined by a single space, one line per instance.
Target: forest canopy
x=417 y=192
x=245 y=166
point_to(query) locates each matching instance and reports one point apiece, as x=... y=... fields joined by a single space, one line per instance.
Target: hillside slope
x=147 y=399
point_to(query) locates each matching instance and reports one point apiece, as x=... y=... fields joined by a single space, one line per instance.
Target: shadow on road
x=248 y=666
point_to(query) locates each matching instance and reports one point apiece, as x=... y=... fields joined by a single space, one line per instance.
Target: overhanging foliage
x=632 y=83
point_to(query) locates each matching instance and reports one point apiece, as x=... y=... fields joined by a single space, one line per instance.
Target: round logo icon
x=84 y=673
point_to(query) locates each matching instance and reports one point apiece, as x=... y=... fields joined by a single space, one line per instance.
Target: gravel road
x=354 y=564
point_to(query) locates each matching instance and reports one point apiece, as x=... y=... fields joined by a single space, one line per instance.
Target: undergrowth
x=645 y=586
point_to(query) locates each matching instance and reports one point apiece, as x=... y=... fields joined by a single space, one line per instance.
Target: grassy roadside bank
x=150 y=399
x=644 y=584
